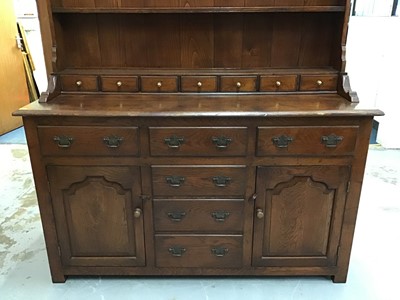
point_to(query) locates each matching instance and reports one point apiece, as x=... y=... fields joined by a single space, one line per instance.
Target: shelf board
x=203 y=9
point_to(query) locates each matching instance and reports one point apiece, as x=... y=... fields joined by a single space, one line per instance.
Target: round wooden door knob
x=137 y=213
x=260 y=213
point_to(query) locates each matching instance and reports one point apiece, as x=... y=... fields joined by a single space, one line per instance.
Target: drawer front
x=199 y=84
x=198 y=141
x=238 y=83
x=79 y=83
x=88 y=140
x=318 y=82
x=119 y=83
x=278 y=83
x=198 y=215
x=199 y=251
x=199 y=180
x=332 y=140
x=159 y=83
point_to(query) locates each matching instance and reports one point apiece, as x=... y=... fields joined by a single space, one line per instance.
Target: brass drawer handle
x=331 y=141
x=79 y=83
x=113 y=141
x=175 y=181
x=220 y=216
x=282 y=141
x=176 y=216
x=174 y=141
x=177 y=251
x=63 y=141
x=221 y=142
x=219 y=251
x=221 y=181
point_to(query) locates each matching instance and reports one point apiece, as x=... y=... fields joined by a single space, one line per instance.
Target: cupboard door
x=98 y=215
x=298 y=215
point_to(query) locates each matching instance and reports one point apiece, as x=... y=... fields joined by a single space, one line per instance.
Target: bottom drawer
x=199 y=251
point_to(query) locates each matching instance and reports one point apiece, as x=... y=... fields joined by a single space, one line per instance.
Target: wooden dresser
x=186 y=137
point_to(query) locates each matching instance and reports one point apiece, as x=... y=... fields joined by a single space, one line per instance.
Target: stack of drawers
x=198 y=209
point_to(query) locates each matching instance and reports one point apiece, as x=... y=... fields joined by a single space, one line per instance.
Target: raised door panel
x=298 y=215
x=94 y=210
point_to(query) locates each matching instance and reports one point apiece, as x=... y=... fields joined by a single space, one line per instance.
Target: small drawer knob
x=320 y=82
x=159 y=84
x=278 y=83
x=199 y=84
x=259 y=213
x=137 y=213
x=238 y=84
x=119 y=83
x=78 y=83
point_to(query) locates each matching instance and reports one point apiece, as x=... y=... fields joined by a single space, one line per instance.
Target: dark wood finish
x=180 y=178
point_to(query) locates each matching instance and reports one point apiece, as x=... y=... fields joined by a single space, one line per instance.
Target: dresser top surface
x=197 y=105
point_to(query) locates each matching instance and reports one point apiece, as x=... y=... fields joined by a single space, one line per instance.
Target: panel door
x=98 y=215
x=298 y=215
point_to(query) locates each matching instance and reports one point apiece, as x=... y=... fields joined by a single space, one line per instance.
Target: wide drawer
x=198 y=141
x=238 y=83
x=321 y=140
x=199 y=251
x=278 y=83
x=88 y=140
x=79 y=83
x=199 y=180
x=159 y=83
x=199 y=84
x=119 y=83
x=318 y=82
x=198 y=215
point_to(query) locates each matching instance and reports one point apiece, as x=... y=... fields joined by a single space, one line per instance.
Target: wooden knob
x=159 y=84
x=319 y=82
x=79 y=83
x=278 y=83
x=259 y=213
x=137 y=213
x=199 y=84
x=238 y=84
x=119 y=83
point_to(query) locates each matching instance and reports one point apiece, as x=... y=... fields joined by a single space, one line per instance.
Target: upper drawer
x=199 y=180
x=198 y=141
x=238 y=83
x=318 y=82
x=199 y=84
x=332 y=140
x=79 y=83
x=278 y=83
x=119 y=83
x=88 y=140
x=159 y=83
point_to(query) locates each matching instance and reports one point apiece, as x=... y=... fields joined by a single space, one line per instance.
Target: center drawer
x=198 y=141
x=198 y=215
x=199 y=180
x=202 y=251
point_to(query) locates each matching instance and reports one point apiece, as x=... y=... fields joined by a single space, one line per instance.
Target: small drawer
x=199 y=251
x=119 y=83
x=199 y=84
x=278 y=83
x=79 y=83
x=238 y=83
x=198 y=141
x=88 y=140
x=199 y=180
x=159 y=83
x=199 y=215
x=324 y=140
x=318 y=82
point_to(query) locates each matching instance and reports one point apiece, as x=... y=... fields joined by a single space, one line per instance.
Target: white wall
x=373 y=63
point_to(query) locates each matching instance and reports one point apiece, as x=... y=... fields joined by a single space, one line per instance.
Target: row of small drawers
x=201 y=83
x=197 y=141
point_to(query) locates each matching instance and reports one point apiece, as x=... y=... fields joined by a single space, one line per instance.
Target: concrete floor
x=24 y=272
